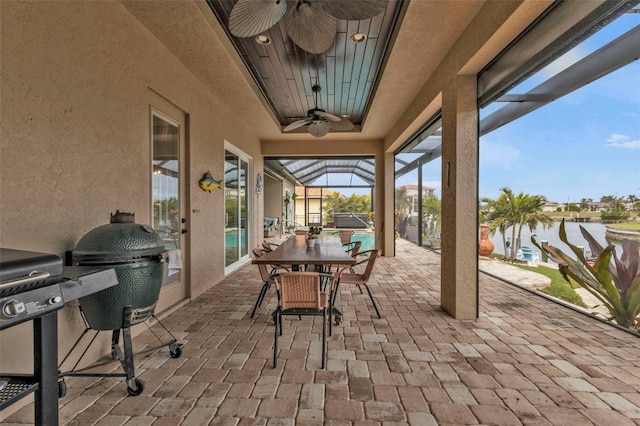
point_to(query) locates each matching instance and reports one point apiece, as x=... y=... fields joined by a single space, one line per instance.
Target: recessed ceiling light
x=263 y=39
x=358 y=37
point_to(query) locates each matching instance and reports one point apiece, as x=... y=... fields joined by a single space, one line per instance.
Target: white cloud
x=498 y=155
x=622 y=141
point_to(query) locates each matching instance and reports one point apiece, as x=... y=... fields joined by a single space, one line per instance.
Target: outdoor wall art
x=208 y=183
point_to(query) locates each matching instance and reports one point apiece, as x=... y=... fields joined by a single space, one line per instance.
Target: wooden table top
x=328 y=250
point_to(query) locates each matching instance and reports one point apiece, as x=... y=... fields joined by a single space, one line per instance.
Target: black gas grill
x=33 y=287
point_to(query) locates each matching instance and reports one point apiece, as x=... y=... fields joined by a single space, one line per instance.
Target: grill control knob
x=55 y=300
x=12 y=308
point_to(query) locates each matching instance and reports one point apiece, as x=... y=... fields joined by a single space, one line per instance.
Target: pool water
x=367 y=238
x=231 y=239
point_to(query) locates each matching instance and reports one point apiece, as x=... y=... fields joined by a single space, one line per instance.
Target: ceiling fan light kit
x=320 y=121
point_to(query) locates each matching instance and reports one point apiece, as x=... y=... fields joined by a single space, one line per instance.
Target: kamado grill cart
x=33 y=287
x=137 y=254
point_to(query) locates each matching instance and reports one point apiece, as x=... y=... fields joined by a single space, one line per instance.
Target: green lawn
x=626 y=225
x=559 y=287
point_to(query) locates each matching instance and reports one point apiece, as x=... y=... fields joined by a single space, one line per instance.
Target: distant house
x=308 y=210
x=551 y=206
x=598 y=206
x=412 y=193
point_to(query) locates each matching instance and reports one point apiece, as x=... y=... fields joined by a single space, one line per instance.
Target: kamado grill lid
x=122 y=240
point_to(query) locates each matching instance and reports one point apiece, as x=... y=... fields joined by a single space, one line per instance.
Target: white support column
x=459 y=264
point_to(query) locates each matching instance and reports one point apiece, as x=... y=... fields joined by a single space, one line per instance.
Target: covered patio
x=525 y=360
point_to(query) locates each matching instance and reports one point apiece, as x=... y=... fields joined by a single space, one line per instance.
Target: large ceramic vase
x=485 y=246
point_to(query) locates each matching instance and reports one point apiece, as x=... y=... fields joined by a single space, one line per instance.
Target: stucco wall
x=75 y=146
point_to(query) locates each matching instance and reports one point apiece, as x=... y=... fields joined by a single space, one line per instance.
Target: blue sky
x=583 y=145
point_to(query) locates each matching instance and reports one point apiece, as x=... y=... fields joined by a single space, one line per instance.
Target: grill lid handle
x=122 y=217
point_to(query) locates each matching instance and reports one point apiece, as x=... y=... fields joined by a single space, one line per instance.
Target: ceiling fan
x=320 y=121
x=311 y=24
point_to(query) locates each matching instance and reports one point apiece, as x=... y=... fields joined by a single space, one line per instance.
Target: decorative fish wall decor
x=208 y=183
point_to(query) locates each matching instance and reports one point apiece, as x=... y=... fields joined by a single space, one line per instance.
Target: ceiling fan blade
x=343 y=124
x=252 y=17
x=295 y=125
x=352 y=10
x=310 y=28
x=318 y=128
x=328 y=116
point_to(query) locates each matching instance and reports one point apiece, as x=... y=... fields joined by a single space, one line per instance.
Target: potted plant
x=314 y=231
x=613 y=281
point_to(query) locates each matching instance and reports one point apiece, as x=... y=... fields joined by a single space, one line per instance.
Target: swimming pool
x=367 y=238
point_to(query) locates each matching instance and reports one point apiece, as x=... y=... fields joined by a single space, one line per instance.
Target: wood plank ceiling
x=347 y=72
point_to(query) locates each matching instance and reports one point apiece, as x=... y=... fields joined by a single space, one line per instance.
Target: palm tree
x=358 y=203
x=584 y=203
x=526 y=210
x=403 y=202
x=496 y=214
x=432 y=208
x=332 y=204
x=516 y=211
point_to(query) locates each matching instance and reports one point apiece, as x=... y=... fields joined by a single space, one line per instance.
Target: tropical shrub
x=614 y=215
x=613 y=281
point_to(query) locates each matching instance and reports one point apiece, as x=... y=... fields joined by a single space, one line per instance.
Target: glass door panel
x=237 y=208
x=244 y=209
x=231 y=205
x=166 y=186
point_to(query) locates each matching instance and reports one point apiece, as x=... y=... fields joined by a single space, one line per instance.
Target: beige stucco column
x=459 y=286
x=386 y=232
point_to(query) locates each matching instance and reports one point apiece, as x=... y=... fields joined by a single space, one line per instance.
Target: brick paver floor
x=526 y=360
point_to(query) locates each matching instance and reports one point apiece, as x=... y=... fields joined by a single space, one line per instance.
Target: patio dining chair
x=267 y=278
x=345 y=236
x=353 y=248
x=347 y=276
x=269 y=246
x=299 y=293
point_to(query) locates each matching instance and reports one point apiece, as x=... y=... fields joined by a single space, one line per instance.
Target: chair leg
x=330 y=313
x=335 y=293
x=263 y=291
x=324 y=339
x=275 y=338
x=373 y=300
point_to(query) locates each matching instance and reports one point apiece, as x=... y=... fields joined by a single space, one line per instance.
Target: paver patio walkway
x=526 y=360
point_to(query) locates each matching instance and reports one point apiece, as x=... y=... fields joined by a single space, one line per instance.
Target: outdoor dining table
x=293 y=251
x=326 y=252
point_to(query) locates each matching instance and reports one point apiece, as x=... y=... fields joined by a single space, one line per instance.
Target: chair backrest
x=264 y=272
x=373 y=255
x=299 y=290
x=266 y=245
x=355 y=249
x=345 y=236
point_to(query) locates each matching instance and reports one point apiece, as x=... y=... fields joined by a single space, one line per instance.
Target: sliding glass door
x=236 y=172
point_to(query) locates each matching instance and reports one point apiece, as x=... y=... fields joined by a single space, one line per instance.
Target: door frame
x=250 y=188
x=174 y=294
